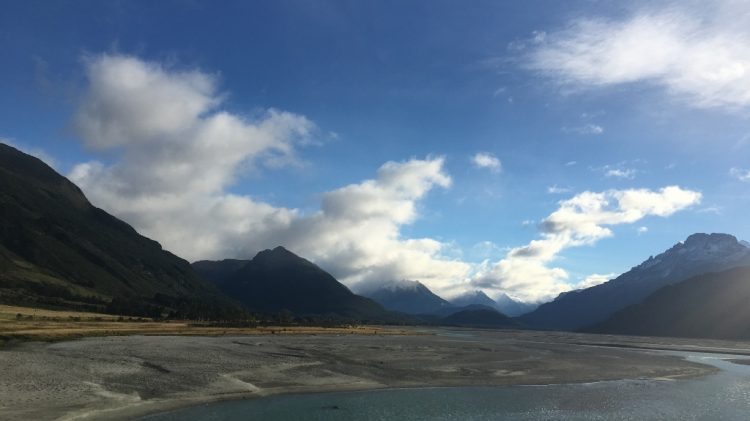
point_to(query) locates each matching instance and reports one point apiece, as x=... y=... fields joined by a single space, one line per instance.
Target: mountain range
x=698 y=254
x=503 y=303
x=58 y=250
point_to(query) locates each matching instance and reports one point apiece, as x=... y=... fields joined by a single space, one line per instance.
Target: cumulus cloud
x=699 y=52
x=581 y=220
x=740 y=174
x=642 y=230
x=174 y=154
x=487 y=160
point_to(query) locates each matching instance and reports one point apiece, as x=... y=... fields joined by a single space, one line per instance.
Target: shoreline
x=126 y=377
x=178 y=405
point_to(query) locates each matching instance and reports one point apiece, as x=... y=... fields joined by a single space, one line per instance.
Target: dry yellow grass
x=50 y=325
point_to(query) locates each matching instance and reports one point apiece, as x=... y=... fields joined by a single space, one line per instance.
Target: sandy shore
x=128 y=376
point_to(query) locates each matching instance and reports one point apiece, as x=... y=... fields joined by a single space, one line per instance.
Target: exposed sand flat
x=125 y=376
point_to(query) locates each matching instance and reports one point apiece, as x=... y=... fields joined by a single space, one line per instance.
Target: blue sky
x=583 y=96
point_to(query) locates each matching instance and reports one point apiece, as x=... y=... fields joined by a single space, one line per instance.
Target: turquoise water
x=723 y=396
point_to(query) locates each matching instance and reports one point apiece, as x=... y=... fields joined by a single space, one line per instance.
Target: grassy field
x=31 y=324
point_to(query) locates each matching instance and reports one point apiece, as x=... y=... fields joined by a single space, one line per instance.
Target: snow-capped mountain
x=698 y=254
x=411 y=297
x=504 y=303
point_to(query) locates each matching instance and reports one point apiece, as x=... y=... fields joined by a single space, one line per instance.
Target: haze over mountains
x=698 y=254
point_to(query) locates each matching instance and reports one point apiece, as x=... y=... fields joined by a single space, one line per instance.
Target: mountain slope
x=218 y=271
x=278 y=280
x=700 y=253
x=409 y=297
x=56 y=249
x=712 y=305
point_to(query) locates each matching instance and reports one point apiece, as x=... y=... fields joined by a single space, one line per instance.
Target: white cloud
x=581 y=220
x=586 y=129
x=642 y=230
x=698 y=52
x=555 y=189
x=627 y=173
x=174 y=154
x=594 y=280
x=487 y=160
x=740 y=174
x=716 y=210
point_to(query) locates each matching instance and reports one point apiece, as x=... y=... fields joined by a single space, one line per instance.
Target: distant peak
x=477 y=293
x=278 y=252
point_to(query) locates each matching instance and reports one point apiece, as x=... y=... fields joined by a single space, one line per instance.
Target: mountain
x=511 y=307
x=503 y=304
x=477 y=297
x=57 y=250
x=410 y=297
x=712 y=305
x=700 y=253
x=481 y=318
x=277 y=280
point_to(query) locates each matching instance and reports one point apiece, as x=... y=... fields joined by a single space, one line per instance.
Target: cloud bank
x=177 y=153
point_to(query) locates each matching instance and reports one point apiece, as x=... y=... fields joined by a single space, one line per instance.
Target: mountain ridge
x=699 y=253
x=58 y=250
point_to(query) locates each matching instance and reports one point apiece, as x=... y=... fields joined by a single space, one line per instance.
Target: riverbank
x=24 y=324
x=127 y=376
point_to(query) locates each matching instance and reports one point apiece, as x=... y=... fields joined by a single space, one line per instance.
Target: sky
x=528 y=148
